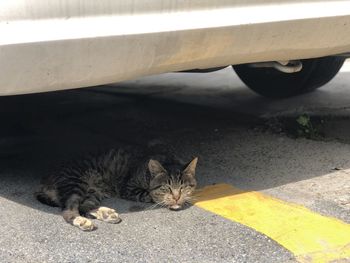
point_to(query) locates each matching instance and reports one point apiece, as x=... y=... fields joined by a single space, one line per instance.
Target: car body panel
x=55 y=45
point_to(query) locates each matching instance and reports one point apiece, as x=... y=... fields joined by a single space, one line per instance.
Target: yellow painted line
x=311 y=237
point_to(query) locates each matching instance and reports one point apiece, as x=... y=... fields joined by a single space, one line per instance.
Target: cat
x=130 y=174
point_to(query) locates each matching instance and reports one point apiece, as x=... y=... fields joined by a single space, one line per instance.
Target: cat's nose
x=176 y=195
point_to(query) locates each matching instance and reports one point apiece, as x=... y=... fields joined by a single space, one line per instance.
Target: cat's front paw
x=106 y=214
x=84 y=224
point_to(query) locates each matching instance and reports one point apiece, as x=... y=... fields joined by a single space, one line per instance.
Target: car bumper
x=39 y=54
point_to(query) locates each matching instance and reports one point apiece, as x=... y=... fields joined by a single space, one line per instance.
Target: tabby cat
x=131 y=174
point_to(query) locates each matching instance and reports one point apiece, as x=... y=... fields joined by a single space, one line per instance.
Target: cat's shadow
x=125 y=206
x=120 y=205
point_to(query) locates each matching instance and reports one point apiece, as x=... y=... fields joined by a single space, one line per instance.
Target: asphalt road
x=210 y=115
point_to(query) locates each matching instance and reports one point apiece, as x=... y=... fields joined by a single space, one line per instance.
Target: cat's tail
x=47 y=197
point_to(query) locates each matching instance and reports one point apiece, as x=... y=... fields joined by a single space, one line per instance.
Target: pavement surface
x=212 y=116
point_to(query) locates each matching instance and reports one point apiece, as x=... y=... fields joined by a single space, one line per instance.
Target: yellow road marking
x=309 y=236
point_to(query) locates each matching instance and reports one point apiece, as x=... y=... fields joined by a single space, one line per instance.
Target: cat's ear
x=156 y=168
x=190 y=169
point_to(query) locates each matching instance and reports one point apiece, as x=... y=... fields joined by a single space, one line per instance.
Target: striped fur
x=131 y=174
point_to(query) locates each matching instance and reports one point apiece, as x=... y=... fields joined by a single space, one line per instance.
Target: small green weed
x=305 y=127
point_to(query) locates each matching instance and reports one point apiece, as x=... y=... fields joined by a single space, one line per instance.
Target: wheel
x=272 y=83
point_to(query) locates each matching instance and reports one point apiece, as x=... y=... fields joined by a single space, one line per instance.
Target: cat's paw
x=106 y=214
x=84 y=224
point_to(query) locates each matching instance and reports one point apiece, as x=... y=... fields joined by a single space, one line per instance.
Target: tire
x=272 y=83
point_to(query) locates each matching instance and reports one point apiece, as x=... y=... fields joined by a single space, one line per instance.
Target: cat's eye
x=165 y=188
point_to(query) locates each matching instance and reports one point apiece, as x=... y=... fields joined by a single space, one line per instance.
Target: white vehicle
x=281 y=47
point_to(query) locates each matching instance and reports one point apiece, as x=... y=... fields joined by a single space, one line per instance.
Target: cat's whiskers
x=190 y=198
x=160 y=204
x=152 y=207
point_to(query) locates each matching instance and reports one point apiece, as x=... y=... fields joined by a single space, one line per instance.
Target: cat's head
x=172 y=187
